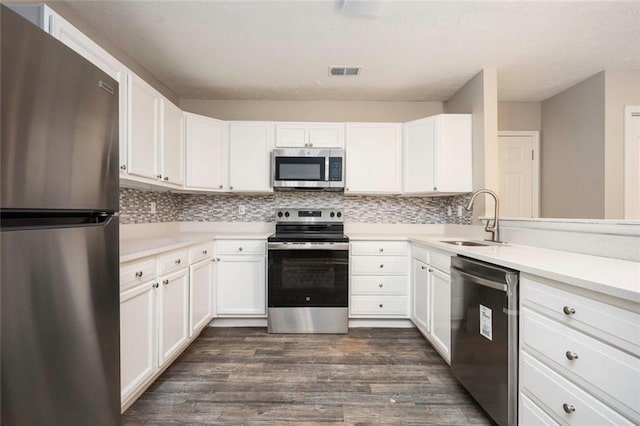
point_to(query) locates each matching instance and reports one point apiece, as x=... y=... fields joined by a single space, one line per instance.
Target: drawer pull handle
x=568 y=311
x=381 y=305
x=178 y=261
x=380 y=285
x=139 y=274
x=382 y=266
x=165 y=282
x=204 y=252
x=381 y=249
x=239 y=248
x=571 y=355
x=568 y=408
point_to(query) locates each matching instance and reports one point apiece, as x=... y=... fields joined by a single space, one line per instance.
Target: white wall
x=311 y=110
x=519 y=116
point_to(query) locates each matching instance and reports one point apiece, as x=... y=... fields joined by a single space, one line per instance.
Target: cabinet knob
x=178 y=261
x=204 y=252
x=217 y=259
x=139 y=274
x=165 y=282
x=123 y=167
x=156 y=285
x=346 y=189
x=159 y=176
x=423 y=267
x=430 y=270
x=166 y=178
x=381 y=265
x=231 y=187
x=568 y=311
x=239 y=248
x=311 y=145
x=381 y=305
x=568 y=408
x=381 y=249
x=220 y=186
x=435 y=188
x=571 y=355
x=380 y=285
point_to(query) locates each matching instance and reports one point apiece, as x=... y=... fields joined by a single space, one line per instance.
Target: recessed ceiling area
x=414 y=51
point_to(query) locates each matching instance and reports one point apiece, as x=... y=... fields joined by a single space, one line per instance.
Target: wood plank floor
x=246 y=376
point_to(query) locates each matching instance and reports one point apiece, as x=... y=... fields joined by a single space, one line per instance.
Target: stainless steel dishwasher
x=484 y=335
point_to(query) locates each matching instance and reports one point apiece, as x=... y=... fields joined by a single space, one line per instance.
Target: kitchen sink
x=464 y=243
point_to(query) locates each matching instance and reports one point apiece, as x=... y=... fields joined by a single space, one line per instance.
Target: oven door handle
x=308 y=246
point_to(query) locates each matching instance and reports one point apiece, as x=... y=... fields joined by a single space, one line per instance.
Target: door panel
x=518 y=182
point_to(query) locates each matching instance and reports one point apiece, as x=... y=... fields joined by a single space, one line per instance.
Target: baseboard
x=238 y=322
x=381 y=323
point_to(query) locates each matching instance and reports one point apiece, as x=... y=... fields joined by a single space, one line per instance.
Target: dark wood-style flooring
x=246 y=376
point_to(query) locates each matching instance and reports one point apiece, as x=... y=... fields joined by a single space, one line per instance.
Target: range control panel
x=308 y=215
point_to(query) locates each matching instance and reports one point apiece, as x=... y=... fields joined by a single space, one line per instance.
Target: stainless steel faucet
x=490 y=226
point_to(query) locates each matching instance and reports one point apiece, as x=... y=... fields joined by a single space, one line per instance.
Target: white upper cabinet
x=250 y=145
x=309 y=135
x=373 y=158
x=172 y=144
x=437 y=155
x=143 y=128
x=207 y=147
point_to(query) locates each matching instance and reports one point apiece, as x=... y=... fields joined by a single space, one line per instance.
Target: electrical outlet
x=449 y=211
x=152 y=207
x=459 y=211
x=241 y=209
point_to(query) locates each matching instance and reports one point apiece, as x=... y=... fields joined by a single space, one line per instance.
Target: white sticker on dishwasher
x=485 y=322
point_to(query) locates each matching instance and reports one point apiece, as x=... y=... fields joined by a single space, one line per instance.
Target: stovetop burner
x=299 y=225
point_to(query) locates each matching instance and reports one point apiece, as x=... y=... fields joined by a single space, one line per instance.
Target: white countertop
x=137 y=248
x=614 y=277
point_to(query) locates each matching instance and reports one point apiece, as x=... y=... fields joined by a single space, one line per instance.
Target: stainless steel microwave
x=308 y=169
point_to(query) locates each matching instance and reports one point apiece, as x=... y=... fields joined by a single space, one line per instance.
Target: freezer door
x=59 y=124
x=60 y=325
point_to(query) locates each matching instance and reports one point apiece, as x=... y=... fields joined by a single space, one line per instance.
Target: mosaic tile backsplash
x=135 y=207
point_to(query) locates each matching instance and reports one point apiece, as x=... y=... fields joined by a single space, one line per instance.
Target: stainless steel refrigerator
x=60 y=353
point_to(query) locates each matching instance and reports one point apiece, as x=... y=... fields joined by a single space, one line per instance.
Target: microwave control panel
x=335 y=169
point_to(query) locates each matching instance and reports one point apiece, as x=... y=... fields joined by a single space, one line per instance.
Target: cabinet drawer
x=137 y=272
x=529 y=414
x=554 y=391
x=201 y=251
x=383 y=265
x=240 y=247
x=173 y=261
x=364 y=284
x=440 y=260
x=612 y=371
x=379 y=305
x=615 y=325
x=381 y=248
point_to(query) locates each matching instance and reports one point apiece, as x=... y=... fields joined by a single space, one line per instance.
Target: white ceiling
x=415 y=51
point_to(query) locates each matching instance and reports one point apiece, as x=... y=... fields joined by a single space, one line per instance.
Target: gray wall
x=311 y=110
x=572 y=151
x=519 y=115
x=622 y=88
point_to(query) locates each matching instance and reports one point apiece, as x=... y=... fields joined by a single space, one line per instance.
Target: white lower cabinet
x=138 y=334
x=200 y=295
x=431 y=291
x=379 y=279
x=241 y=285
x=174 y=313
x=579 y=357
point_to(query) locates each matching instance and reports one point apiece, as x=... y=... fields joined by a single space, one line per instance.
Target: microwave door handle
x=326 y=168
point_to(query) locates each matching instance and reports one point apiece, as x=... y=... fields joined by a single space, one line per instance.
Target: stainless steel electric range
x=308 y=280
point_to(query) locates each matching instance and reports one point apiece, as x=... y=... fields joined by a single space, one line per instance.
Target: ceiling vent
x=342 y=71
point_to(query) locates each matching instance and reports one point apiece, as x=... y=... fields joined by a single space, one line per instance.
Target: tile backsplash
x=171 y=207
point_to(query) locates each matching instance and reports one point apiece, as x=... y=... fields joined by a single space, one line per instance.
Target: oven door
x=308 y=275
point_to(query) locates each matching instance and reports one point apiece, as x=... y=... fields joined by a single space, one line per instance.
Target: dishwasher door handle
x=479 y=280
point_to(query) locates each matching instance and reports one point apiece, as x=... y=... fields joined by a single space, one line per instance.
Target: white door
x=632 y=163
x=143 y=129
x=172 y=164
x=207 y=146
x=240 y=286
x=441 y=311
x=420 y=310
x=200 y=289
x=174 y=309
x=250 y=145
x=138 y=347
x=373 y=157
x=419 y=156
x=518 y=162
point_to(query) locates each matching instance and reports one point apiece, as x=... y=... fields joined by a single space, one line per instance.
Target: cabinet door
x=172 y=158
x=207 y=143
x=419 y=156
x=373 y=157
x=240 y=286
x=420 y=312
x=143 y=130
x=200 y=289
x=329 y=135
x=292 y=135
x=138 y=347
x=250 y=145
x=174 y=310
x=441 y=311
